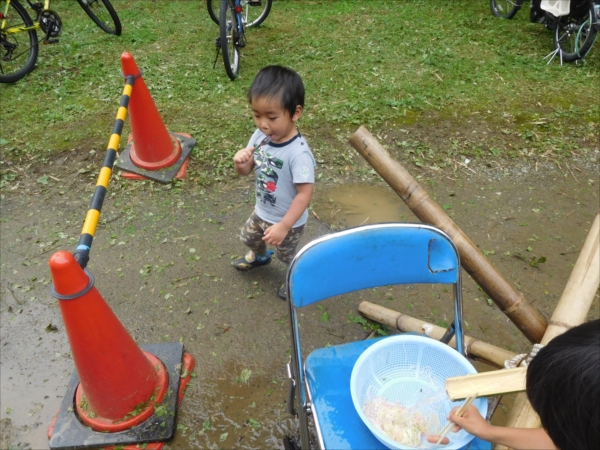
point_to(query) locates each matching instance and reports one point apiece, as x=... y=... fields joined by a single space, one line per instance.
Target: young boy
x=284 y=169
x=563 y=387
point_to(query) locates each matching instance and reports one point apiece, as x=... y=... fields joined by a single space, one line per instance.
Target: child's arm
x=244 y=161
x=515 y=438
x=275 y=234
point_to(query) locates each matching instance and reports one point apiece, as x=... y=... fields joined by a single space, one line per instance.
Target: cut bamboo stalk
x=572 y=309
x=511 y=302
x=486 y=384
x=478 y=349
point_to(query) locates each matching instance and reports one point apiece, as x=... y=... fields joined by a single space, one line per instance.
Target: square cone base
x=177 y=170
x=69 y=433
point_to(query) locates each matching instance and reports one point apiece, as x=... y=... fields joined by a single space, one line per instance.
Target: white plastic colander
x=412 y=371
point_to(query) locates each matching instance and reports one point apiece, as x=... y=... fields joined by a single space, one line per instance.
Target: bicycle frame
x=15 y=30
x=238 y=15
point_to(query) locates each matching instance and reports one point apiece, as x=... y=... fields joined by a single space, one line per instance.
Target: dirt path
x=162 y=260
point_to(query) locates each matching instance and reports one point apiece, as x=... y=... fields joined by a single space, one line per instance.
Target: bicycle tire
x=229 y=39
x=574 y=37
x=505 y=9
x=102 y=14
x=8 y=42
x=253 y=16
x=214 y=10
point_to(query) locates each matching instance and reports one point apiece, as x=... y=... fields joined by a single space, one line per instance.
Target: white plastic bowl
x=409 y=369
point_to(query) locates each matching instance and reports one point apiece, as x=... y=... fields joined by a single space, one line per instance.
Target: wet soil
x=162 y=261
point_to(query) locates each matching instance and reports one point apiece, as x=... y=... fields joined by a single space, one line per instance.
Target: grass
x=415 y=72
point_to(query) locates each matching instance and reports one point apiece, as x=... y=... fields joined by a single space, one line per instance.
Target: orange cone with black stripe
x=116 y=376
x=152 y=151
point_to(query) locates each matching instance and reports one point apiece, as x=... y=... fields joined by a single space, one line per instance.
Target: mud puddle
x=351 y=205
x=162 y=261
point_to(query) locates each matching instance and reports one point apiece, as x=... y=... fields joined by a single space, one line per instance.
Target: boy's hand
x=243 y=156
x=244 y=161
x=471 y=421
x=434 y=439
x=275 y=234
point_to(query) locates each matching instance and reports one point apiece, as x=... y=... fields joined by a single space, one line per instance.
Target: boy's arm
x=275 y=234
x=520 y=438
x=515 y=438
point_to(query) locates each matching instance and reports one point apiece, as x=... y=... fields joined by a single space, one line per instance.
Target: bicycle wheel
x=255 y=12
x=214 y=9
x=103 y=14
x=505 y=8
x=229 y=38
x=574 y=37
x=19 y=49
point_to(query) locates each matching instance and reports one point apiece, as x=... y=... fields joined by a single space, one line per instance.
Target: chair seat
x=328 y=372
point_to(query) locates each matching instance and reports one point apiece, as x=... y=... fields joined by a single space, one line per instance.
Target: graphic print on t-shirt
x=266 y=179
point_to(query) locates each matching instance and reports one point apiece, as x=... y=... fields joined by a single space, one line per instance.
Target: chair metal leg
x=291 y=389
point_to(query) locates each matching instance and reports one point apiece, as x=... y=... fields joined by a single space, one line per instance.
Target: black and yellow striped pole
x=82 y=252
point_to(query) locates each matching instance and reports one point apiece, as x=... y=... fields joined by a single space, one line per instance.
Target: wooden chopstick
x=458 y=413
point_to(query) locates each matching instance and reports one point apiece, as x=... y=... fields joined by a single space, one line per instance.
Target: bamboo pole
x=511 y=302
x=572 y=309
x=486 y=384
x=476 y=348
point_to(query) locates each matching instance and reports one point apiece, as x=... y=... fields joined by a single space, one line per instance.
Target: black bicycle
x=18 y=32
x=574 y=28
x=575 y=33
x=234 y=17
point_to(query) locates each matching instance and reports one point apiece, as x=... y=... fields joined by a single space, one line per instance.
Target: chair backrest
x=361 y=258
x=371 y=256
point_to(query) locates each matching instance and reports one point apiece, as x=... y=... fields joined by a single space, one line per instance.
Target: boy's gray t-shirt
x=278 y=168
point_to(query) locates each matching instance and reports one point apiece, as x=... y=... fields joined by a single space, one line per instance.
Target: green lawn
x=401 y=64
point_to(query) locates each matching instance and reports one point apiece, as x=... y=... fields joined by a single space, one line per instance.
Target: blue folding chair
x=351 y=260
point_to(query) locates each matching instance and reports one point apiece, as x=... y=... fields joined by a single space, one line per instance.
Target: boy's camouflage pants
x=253 y=232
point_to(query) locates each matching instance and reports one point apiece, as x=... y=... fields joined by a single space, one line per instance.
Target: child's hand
x=434 y=439
x=471 y=421
x=244 y=161
x=243 y=156
x=275 y=234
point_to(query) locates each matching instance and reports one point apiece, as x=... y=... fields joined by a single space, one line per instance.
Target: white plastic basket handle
x=557 y=8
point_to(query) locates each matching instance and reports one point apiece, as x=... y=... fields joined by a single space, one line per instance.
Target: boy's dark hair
x=281 y=84
x=563 y=386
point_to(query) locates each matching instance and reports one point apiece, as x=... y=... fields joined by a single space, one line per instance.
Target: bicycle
x=575 y=33
x=18 y=32
x=574 y=23
x=233 y=21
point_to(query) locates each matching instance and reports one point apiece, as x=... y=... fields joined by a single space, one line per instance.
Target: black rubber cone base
x=162 y=175
x=71 y=434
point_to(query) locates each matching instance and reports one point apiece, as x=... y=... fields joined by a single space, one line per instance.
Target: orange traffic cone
x=116 y=376
x=152 y=152
x=113 y=397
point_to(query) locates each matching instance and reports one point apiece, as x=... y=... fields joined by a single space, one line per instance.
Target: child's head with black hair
x=277 y=99
x=563 y=386
x=278 y=84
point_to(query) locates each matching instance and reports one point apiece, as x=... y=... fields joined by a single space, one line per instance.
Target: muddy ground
x=162 y=260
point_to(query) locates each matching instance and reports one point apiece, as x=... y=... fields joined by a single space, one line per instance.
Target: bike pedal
x=255 y=3
x=50 y=41
x=218 y=42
